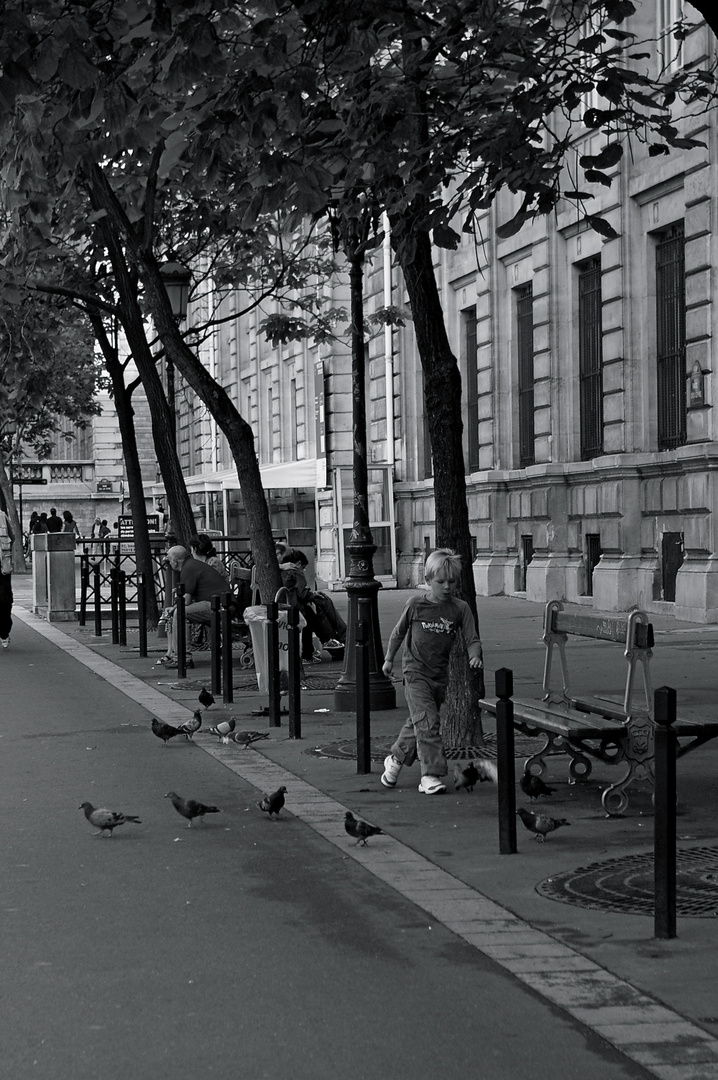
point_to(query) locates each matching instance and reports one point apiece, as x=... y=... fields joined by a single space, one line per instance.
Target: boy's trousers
x=420 y=736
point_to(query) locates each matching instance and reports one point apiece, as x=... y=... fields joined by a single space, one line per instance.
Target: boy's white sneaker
x=392 y=768
x=431 y=785
x=4 y=641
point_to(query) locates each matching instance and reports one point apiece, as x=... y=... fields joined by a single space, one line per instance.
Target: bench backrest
x=602 y=626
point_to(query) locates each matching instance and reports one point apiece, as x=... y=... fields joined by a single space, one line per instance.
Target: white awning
x=285 y=474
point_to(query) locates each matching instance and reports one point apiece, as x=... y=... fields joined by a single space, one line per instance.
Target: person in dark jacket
x=54 y=521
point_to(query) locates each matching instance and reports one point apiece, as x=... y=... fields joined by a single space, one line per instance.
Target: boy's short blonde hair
x=442 y=559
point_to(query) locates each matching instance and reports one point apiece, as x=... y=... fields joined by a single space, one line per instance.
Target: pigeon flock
x=466 y=777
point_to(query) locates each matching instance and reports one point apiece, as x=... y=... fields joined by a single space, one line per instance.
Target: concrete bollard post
x=227 y=676
x=181 y=632
x=142 y=612
x=53 y=576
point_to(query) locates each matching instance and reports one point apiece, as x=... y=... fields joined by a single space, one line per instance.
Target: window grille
x=671 y=338
x=525 y=347
x=472 y=389
x=590 y=359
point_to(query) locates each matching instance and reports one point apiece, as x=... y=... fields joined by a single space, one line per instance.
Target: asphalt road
x=240 y=948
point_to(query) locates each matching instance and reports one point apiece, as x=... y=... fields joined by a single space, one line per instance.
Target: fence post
x=227 y=678
x=84 y=585
x=114 y=607
x=504 y=683
x=362 y=714
x=122 y=606
x=274 y=685
x=142 y=612
x=97 y=587
x=294 y=674
x=181 y=632
x=215 y=641
x=664 y=820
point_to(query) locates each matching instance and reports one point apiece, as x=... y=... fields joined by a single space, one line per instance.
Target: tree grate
x=626 y=884
x=346 y=749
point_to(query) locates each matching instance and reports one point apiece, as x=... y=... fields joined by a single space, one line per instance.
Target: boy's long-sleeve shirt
x=429 y=629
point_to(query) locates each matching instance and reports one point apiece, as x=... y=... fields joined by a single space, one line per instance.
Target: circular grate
x=346 y=749
x=626 y=884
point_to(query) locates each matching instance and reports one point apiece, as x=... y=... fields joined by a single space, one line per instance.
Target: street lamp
x=360 y=583
x=176 y=278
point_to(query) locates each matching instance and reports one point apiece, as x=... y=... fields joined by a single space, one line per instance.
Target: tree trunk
x=125 y=417
x=442 y=381
x=163 y=422
x=237 y=431
x=18 y=558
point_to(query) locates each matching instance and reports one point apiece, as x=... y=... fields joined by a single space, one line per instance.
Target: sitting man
x=201 y=583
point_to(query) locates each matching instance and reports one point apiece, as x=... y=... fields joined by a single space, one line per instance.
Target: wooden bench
x=586 y=727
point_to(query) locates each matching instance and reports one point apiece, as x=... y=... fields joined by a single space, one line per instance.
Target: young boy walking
x=428 y=624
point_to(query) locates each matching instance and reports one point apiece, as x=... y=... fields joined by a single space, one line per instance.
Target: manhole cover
x=626 y=884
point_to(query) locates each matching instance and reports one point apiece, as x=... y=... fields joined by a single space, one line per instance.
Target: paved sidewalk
x=656 y=1001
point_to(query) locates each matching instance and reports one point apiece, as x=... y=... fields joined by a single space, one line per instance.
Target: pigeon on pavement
x=465 y=778
x=533 y=786
x=540 y=824
x=106 y=819
x=487 y=771
x=164 y=731
x=361 y=829
x=190 y=726
x=206 y=698
x=245 y=738
x=190 y=808
x=272 y=804
x=223 y=730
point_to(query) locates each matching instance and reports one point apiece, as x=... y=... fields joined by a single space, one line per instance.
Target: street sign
x=21 y=481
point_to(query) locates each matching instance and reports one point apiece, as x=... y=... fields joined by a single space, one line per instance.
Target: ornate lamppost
x=361 y=585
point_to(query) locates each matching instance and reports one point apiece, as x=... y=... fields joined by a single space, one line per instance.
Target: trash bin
x=256 y=619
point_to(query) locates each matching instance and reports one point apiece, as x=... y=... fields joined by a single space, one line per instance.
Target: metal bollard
x=363 y=718
x=295 y=675
x=504 y=683
x=84 y=585
x=181 y=632
x=215 y=642
x=98 y=600
x=274 y=684
x=114 y=607
x=142 y=612
x=122 y=606
x=664 y=820
x=227 y=679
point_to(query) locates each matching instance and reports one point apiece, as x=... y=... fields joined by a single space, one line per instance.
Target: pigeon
x=164 y=731
x=190 y=726
x=190 y=808
x=533 y=786
x=540 y=824
x=361 y=829
x=245 y=738
x=106 y=819
x=487 y=771
x=466 y=778
x=272 y=804
x=223 y=730
x=206 y=698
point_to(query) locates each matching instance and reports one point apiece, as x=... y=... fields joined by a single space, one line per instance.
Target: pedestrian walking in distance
x=428 y=626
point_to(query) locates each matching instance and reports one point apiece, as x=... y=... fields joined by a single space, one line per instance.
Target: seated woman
x=202 y=548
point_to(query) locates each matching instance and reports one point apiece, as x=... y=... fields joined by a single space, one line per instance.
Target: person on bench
x=201 y=583
x=321 y=616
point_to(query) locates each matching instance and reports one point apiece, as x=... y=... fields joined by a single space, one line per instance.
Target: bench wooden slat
x=601 y=627
x=568 y=722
